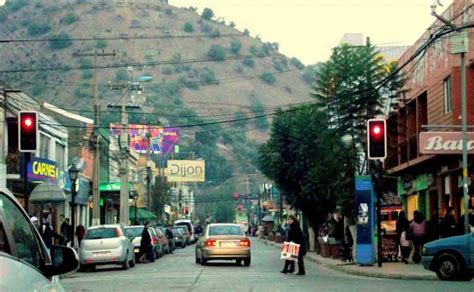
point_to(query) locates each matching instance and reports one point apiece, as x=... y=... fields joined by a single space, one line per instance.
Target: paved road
x=178 y=272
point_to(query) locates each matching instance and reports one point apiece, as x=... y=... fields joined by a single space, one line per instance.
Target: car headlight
x=176 y=238
x=424 y=251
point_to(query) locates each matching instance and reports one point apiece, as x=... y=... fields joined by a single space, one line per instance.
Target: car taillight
x=155 y=241
x=210 y=242
x=118 y=233
x=245 y=242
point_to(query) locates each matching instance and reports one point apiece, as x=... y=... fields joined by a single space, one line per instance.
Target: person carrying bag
x=297 y=244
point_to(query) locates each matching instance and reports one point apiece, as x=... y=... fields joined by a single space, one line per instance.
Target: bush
x=189 y=83
x=85 y=63
x=280 y=64
x=253 y=50
x=268 y=78
x=36 y=29
x=297 y=63
x=169 y=11
x=207 y=14
x=208 y=77
x=148 y=57
x=15 y=5
x=206 y=28
x=69 y=18
x=121 y=75
x=60 y=41
x=3 y=17
x=87 y=74
x=249 y=62
x=235 y=47
x=101 y=44
x=168 y=70
x=246 y=32
x=188 y=27
x=232 y=24
x=215 y=33
x=216 y=53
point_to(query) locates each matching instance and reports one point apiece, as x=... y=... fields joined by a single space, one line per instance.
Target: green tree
x=36 y=29
x=309 y=163
x=216 y=53
x=249 y=62
x=207 y=14
x=69 y=18
x=297 y=63
x=188 y=27
x=350 y=90
x=60 y=41
x=258 y=109
x=101 y=44
x=269 y=78
x=159 y=196
x=121 y=75
x=235 y=47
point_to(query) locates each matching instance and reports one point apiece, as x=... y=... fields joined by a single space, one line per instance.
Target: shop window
x=448 y=97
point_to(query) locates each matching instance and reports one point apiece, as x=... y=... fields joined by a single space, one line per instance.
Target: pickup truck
x=451 y=258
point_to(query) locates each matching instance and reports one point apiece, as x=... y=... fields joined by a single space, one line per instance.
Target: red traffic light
x=236 y=196
x=27 y=131
x=376 y=139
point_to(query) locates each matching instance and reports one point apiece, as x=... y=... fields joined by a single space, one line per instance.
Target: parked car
x=136 y=232
x=186 y=234
x=163 y=240
x=179 y=238
x=106 y=244
x=451 y=258
x=24 y=259
x=223 y=242
x=190 y=226
x=158 y=248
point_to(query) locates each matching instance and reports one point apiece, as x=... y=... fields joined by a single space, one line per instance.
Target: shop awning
x=47 y=193
x=142 y=214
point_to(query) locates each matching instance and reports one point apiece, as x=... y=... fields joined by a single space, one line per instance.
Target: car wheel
x=132 y=261
x=183 y=245
x=126 y=264
x=247 y=262
x=198 y=260
x=239 y=262
x=203 y=261
x=448 y=267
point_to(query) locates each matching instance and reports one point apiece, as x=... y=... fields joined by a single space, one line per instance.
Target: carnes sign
x=186 y=171
x=42 y=170
x=444 y=142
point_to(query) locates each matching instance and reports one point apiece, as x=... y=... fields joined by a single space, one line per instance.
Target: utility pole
x=95 y=135
x=148 y=171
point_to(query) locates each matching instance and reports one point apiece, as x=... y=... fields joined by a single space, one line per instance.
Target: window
x=448 y=98
x=225 y=230
x=101 y=233
x=44 y=146
x=60 y=150
x=26 y=245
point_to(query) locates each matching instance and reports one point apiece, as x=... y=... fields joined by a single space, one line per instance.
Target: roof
x=47 y=193
x=67 y=114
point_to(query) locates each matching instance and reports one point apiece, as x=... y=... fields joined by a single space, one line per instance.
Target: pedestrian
x=404 y=244
x=145 y=244
x=170 y=236
x=448 y=224
x=63 y=230
x=80 y=232
x=35 y=222
x=347 y=244
x=418 y=227
x=295 y=234
x=402 y=224
x=47 y=233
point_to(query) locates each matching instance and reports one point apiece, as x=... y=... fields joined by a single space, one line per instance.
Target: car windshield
x=177 y=230
x=135 y=231
x=184 y=224
x=225 y=230
x=101 y=233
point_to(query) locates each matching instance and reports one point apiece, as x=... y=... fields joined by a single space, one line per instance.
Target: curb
x=344 y=269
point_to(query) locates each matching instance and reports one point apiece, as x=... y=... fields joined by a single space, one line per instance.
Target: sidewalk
x=397 y=270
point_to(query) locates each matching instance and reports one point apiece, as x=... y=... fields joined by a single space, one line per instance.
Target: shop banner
x=186 y=171
x=162 y=140
x=445 y=142
x=40 y=169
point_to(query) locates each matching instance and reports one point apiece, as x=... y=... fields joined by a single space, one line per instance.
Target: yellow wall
x=412 y=205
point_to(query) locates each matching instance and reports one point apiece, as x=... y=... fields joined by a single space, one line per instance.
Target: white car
x=105 y=245
x=189 y=224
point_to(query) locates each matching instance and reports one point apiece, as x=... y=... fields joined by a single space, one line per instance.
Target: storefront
x=417 y=194
x=110 y=202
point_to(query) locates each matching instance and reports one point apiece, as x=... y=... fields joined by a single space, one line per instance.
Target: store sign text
x=444 y=142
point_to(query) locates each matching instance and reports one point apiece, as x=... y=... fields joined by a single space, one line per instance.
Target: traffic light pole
x=26 y=159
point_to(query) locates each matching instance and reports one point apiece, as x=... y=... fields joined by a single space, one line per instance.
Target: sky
x=308 y=29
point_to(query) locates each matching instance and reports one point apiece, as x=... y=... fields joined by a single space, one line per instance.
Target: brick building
x=430 y=183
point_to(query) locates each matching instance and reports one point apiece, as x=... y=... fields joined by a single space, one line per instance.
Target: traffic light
x=376 y=139
x=186 y=210
x=236 y=196
x=27 y=131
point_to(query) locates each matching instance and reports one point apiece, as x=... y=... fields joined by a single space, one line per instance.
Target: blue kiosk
x=365 y=204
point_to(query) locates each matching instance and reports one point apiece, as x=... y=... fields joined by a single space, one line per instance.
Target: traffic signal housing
x=377 y=139
x=236 y=196
x=28 y=131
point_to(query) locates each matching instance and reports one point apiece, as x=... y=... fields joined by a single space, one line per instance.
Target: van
x=189 y=224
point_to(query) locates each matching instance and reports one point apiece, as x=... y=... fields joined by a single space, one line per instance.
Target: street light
x=73 y=174
x=135 y=199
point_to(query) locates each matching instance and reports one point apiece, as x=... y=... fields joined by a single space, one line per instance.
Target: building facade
x=431 y=183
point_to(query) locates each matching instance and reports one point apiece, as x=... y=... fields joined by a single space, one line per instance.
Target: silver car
x=104 y=245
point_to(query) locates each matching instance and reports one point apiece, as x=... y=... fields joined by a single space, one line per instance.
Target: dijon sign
x=186 y=171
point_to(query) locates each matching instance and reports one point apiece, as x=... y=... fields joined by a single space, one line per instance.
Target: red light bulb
x=28 y=122
x=377 y=130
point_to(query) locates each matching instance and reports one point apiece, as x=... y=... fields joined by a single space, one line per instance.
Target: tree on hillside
x=349 y=91
x=60 y=41
x=216 y=53
x=207 y=14
x=309 y=163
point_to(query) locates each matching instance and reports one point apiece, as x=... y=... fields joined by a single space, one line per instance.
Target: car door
x=22 y=253
x=471 y=251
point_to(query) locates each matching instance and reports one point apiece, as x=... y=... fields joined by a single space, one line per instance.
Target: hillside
x=203 y=70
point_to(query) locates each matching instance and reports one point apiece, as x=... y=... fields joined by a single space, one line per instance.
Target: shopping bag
x=290 y=251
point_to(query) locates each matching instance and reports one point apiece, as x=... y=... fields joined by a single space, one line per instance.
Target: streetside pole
x=464 y=144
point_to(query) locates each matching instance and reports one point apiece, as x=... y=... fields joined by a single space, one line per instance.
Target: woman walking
x=418 y=226
x=145 y=244
x=295 y=234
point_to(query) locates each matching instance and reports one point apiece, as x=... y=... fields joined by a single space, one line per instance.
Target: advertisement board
x=444 y=142
x=186 y=171
x=40 y=169
x=162 y=140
